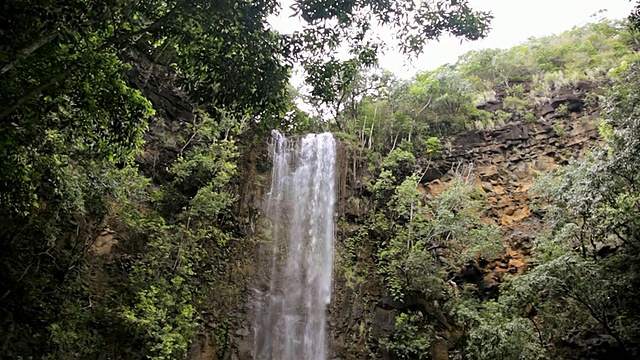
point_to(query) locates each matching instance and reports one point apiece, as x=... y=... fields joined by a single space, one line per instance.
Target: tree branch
x=117 y=41
x=36 y=90
x=28 y=50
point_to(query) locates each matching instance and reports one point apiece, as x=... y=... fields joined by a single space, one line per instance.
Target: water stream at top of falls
x=290 y=315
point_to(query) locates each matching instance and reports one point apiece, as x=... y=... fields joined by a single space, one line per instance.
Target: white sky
x=514 y=22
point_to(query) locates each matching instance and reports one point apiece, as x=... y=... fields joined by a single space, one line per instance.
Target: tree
x=422 y=248
x=57 y=58
x=72 y=120
x=582 y=284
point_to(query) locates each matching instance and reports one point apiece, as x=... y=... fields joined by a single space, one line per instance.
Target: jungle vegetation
x=582 y=279
x=75 y=126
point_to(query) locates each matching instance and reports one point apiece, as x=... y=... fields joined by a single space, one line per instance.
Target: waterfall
x=290 y=314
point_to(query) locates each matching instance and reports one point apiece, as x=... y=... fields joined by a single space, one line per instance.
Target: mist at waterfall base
x=290 y=314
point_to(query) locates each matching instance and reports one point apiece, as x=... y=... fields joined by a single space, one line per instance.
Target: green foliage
x=168 y=281
x=576 y=284
x=434 y=146
x=558 y=128
x=516 y=91
x=502 y=116
x=399 y=161
x=411 y=339
x=529 y=117
x=337 y=85
x=606 y=131
x=164 y=319
x=582 y=284
x=550 y=60
x=73 y=119
x=65 y=94
x=562 y=111
x=442 y=235
x=514 y=104
x=450 y=99
x=496 y=334
x=178 y=233
x=384 y=184
x=421 y=245
x=381 y=111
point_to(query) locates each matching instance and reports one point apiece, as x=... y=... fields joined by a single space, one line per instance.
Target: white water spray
x=291 y=314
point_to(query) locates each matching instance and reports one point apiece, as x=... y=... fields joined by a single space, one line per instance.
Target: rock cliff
x=504 y=163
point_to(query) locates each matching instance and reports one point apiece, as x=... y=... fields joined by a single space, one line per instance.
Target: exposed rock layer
x=504 y=163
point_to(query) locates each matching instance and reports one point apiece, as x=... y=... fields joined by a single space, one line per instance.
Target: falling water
x=290 y=316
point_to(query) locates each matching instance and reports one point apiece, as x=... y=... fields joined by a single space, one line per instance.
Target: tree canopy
x=75 y=111
x=90 y=151
x=63 y=65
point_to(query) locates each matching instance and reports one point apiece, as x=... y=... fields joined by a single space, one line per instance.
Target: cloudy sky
x=514 y=22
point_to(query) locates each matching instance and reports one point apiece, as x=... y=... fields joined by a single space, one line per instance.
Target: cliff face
x=223 y=318
x=504 y=163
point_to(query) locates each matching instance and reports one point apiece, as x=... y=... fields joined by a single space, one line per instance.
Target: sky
x=514 y=22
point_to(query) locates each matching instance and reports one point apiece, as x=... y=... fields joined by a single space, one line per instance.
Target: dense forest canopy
x=450 y=99
x=134 y=121
x=63 y=65
x=74 y=114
